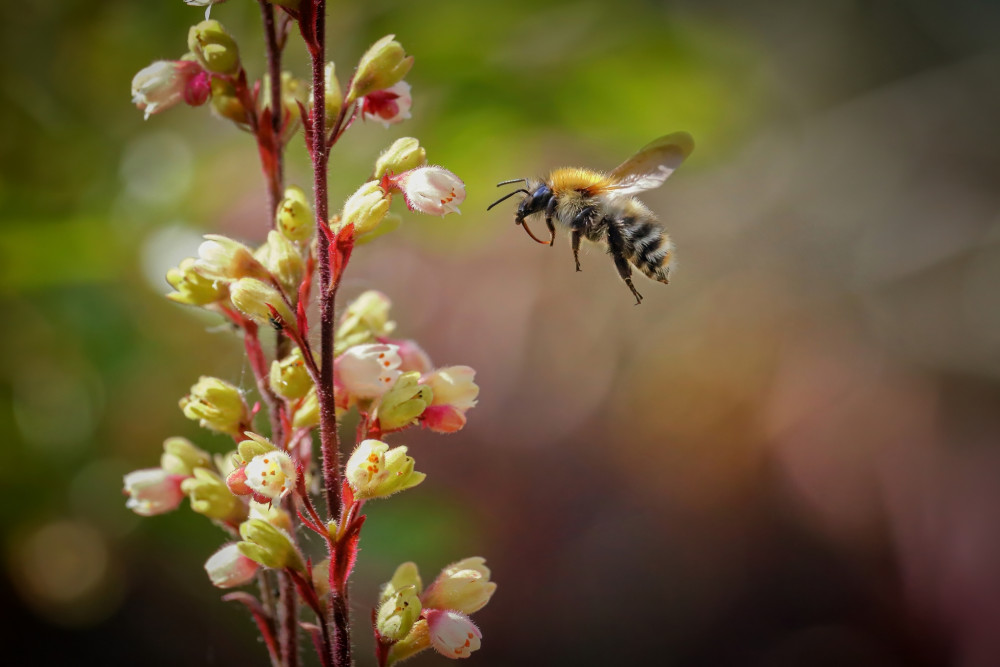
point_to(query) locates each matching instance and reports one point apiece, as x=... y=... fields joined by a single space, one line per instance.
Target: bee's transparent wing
x=652 y=165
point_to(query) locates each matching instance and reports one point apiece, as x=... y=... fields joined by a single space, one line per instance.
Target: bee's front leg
x=550 y=210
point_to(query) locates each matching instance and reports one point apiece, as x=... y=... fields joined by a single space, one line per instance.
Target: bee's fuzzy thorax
x=585 y=181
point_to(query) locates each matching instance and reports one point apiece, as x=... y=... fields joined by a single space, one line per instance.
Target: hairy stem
x=288 y=630
x=274 y=164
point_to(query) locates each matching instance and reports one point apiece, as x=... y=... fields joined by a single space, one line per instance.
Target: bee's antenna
x=508 y=195
x=515 y=180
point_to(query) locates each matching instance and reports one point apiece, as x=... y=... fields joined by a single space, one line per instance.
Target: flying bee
x=603 y=207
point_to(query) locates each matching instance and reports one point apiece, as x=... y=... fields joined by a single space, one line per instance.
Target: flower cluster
x=261 y=493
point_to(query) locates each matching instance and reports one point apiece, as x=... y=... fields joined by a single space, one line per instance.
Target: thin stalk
x=288 y=630
x=277 y=176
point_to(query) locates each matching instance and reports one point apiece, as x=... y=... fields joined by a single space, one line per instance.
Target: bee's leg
x=616 y=247
x=577 y=234
x=550 y=210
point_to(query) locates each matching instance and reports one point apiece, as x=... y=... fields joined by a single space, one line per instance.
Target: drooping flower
x=228 y=567
x=432 y=190
x=452 y=633
x=388 y=106
x=367 y=371
x=464 y=586
x=153 y=491
x=166 y=83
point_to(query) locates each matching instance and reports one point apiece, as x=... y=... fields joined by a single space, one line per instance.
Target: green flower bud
x=253 y=446
x=407 y=400
x=214 y=48
x=282 y=259
x=365 y=318
x=417 y=640
x=269 y=546
x=406 y=575
x=180 y=457
x=307 y=416
x=405 y=153
x=193 y=287
x=295 y=217
x=289 y=377
x=216 y=405
x=225 y=103
x=365 y=208
x=464 y=586
x=223 y=258
x=210 y=496
x=273 y=514
x=383 y=65
x=390 y=223
x=375 y=471
x=398 y=613
x=333 y=97
x=255 y=299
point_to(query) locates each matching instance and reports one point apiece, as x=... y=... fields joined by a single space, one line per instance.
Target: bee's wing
x=651 y=166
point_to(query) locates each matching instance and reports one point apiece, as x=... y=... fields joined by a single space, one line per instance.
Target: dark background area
x=787 y=457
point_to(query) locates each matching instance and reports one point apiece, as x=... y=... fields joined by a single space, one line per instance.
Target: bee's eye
x=541 y=196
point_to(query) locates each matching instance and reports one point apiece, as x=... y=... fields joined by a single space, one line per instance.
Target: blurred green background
x=788 y=456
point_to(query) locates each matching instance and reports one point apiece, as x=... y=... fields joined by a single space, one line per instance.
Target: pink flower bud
x=368 y=371
x=166 y=83
x=452 y=634
x=388 y=106
x=228 y=567
x=442 y=419
x=153 y=491
x=431 y=190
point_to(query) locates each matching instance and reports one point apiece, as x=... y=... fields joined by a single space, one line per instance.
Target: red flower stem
x=275 y=178
x=288 y=631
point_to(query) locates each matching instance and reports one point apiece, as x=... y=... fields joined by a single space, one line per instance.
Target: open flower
x=367 y=371
x=271 y=476
x=375 y=471
x=452 y=633
x=153 y=491
x=388 y=106
x=167 y=83
x=432 y=190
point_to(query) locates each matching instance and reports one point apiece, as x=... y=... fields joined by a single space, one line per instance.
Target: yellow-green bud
x=282 y=259
x=383 y=65
x=307 y=416
x=390 y=223
x=405 y=153
x=216 y=405
x=253 y=446
x=364 y=319
x=269 y=546
x=210 y=496
x=295 y=217
x=289 y=377
x=333 y=97
x=192 y=287
x=273 y=514
x=464 y=586
x=398 y=613
x=404 y=402
x=365 y=208
x=405 y=575
x=225 y=103
x=416 y=641
x=180 y=457
x=225 y=259
x=252 y=298
x=214 y=48
x=375 y=471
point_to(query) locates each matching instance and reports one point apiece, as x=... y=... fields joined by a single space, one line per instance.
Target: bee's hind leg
x=576 y=235
x=616 y=247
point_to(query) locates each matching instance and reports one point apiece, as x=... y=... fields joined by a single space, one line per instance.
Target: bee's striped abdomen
x=647 y=246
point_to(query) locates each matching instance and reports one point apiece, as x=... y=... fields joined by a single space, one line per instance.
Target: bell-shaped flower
x=153 y=491
x=403 y=403
x=464 y=586
x=405 y=153
x=367 y=371
x=295 y=218
x=194 y=288
x=383 y=64
x=223 y=258
x=214 y=48
x=271 y=476
x=166 y=83
x=269 y=545
x=260 y=301
x=228 y=567
x=405 y=575
x=216 y=405
x=366 y=208
x=397 y=614
x=452 y=633
x=432 y=190
x=289 y=377
x=375 y=471
x=455 y=393
x=280 y=256
x=389 y=106
x=181 y=457
x=211 y=496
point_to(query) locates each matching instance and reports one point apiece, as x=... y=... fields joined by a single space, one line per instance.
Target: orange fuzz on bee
x=603 y=208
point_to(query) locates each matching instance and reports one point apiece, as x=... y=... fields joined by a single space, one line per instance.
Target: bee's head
x=536 y=200
x=537 y=196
